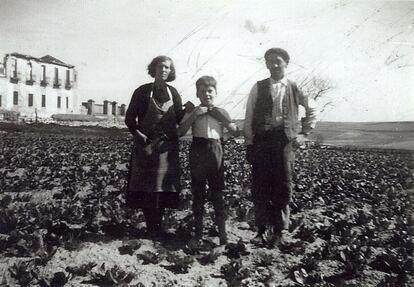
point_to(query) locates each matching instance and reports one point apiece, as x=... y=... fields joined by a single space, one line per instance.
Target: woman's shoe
x=275 y=239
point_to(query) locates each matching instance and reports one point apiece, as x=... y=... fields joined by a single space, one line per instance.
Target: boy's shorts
x=206 y=162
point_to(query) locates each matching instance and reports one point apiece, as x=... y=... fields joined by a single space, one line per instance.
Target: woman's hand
x=249 y=154
x=140 y=137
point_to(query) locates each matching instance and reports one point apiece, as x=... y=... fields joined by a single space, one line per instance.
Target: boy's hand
x=219 y=115
x=201 y=110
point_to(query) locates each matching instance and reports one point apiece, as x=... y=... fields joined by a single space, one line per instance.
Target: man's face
x=162 y=70
x=276 y=66
x=206 y=94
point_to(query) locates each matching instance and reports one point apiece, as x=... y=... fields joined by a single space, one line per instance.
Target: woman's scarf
x=160 y=93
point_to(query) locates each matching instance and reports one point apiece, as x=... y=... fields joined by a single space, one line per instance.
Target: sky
x=362 y=50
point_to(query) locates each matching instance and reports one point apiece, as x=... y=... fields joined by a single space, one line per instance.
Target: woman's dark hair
x=160 y=59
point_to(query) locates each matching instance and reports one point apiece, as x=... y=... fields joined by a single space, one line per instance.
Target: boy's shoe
x=158 y=233
x=258 y=240
x=223 y=240
x=150 y=232
x=213 y=232
x=151 y=235
x=164 y=234
x=195 y=243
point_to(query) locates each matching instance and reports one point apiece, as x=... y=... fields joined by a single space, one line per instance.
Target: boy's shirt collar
x=283 y=81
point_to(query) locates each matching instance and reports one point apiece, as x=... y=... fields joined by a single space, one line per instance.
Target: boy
x=206 y=154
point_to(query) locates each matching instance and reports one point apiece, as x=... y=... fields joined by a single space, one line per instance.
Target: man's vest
x=264 y=106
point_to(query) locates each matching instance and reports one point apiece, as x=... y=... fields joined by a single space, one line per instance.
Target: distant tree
x=316 y=88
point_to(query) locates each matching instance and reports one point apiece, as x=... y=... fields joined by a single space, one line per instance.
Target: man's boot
x=275 y=239
x=259 y=240
x=221 y=224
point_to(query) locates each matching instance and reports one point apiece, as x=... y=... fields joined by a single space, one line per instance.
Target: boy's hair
x=278 y=51
x=160 y=59
x=207 y=81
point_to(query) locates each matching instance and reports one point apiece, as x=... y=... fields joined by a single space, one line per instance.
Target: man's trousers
x=272 y=179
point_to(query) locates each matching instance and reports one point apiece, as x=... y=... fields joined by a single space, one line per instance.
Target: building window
x=30 y=71
x=56 y=80
x=15 y=98
x=43 y=73
x=15 y=68
x=30 y=100
x=13 y=76
x=59 y=102
x=29 y=76
x=43 y=82
x=67 y=83
x=67 y=102
x=43 y=101
x=105 y=107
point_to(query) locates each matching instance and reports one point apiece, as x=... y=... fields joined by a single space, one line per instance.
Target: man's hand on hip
x=300 y=140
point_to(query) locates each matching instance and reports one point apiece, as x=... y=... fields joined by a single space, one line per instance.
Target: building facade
x=38 y=87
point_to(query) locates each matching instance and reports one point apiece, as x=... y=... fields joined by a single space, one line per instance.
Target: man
x=270 y=131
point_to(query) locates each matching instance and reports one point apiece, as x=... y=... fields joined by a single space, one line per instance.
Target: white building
x=42 y=86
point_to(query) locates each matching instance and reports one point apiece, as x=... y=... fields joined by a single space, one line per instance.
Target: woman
x=151 y=117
